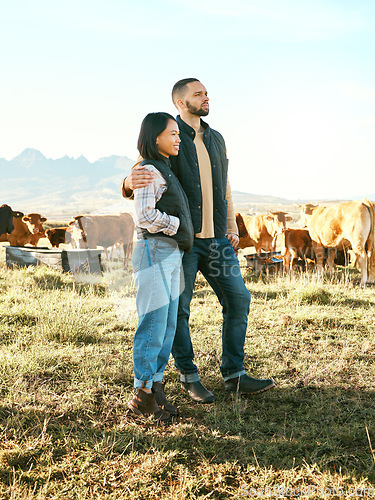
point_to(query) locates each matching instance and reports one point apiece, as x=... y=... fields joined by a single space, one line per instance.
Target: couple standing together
x=185 y=223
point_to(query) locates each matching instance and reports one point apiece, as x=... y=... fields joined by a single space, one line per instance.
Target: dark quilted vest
x=186 y=168
x=173 y=202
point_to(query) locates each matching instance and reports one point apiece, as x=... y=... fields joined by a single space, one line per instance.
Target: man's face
x=196 y=99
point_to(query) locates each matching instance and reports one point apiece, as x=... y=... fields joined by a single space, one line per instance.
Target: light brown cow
x=28 y=229
x=346 y=225
x=91 y=231
x=260 y=231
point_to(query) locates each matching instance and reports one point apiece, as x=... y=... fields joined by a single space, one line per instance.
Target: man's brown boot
x=145 y=405
x=158 y=390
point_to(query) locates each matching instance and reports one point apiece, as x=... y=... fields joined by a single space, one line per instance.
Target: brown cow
x=347 y=225
x=91 y=231
x=35 y=224
x=28 y=229
x=260 y=231
x=296 y=244
x=58 y=235
x=282 y=217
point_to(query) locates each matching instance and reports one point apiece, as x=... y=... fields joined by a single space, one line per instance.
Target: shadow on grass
x=283 y=430
x=287 y=427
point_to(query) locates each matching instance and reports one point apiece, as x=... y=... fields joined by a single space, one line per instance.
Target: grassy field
x=66 y=377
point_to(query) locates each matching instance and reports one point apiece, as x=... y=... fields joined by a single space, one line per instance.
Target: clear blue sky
x=291 y=83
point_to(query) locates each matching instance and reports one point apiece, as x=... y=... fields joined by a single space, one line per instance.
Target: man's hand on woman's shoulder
x=139 y=177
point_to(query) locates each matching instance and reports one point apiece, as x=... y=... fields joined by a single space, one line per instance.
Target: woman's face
x=168 y=142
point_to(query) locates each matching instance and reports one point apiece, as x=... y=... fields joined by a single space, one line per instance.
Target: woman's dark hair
x=153 y=125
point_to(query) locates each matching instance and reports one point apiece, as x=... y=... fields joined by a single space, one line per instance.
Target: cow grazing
x=91 y=231
x=296 y=244
x=260 y=231
x=346 y=225
x=6 y=219
x=28 y=229
x=58 y=235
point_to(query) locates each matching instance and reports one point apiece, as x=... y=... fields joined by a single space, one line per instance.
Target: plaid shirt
x=146 y=215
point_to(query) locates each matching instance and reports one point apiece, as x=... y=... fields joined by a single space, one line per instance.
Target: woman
x=164 y=231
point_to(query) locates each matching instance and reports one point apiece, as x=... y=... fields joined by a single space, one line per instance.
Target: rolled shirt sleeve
x=147 y=216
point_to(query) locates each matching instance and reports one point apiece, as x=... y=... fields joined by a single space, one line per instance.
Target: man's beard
x=196 y=111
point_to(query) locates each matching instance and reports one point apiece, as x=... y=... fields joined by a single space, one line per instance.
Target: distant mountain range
x=30 y=182
x=67 y=186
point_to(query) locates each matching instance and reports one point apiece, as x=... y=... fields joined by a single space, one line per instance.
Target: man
x=201 y=167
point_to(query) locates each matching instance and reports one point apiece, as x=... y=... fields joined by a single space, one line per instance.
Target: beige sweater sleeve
x=128 y=195
x=231 y=221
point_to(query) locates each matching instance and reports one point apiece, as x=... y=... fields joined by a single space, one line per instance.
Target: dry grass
x=66 y=378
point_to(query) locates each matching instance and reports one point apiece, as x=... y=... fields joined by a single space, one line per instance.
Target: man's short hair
x=179 y=87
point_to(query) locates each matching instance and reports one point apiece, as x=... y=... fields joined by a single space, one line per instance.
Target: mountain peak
x=83 y=158
x=28 y=157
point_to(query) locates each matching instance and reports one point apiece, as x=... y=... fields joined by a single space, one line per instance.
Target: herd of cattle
x=335 y=228
x=89 y=231
x=328 y=232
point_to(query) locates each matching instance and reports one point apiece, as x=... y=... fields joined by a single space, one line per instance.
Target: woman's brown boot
x=158 y=390
x=145 y=405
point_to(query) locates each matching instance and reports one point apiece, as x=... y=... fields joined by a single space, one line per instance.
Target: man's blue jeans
x=218 y=263
x=157 y=273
